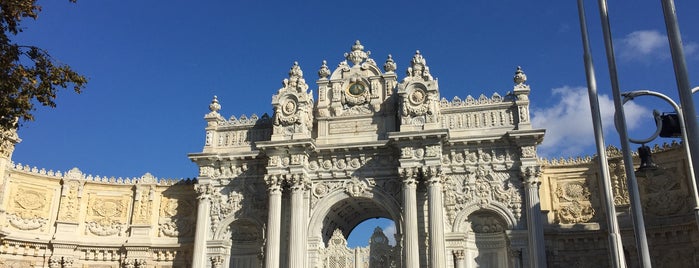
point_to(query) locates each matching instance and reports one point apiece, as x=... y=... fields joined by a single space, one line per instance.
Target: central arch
x=342 y=211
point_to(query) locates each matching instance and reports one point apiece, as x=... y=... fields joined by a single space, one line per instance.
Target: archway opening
x=361 y=235
x=362 y=220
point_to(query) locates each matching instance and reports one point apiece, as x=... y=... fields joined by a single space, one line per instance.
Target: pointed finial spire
x=390 y=65
x=295 y=81
x=214 y=107
x=520 y=78
x=324 y=71
x=418 y=67
x=358 y=55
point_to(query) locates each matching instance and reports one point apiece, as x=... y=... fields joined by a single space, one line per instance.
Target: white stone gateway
x=459 y=178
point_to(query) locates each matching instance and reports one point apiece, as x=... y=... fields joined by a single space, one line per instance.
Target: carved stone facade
x=460 y=179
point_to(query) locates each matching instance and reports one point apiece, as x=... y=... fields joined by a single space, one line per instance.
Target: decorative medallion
x=417 y=97
x=289 y=107
x=356 y=89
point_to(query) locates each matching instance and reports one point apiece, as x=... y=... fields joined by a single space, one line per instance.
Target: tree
x=28 y=74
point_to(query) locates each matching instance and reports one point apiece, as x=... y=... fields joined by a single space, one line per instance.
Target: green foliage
x=28 y=74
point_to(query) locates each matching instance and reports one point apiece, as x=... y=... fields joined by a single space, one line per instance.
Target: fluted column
x=297 y=240
x=436 y=217
x=274 y=218
x=537 y=249
x=458 y=258
x=412 y=257
x=204 y=192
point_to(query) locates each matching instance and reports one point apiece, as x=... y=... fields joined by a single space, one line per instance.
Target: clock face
x=356 y=89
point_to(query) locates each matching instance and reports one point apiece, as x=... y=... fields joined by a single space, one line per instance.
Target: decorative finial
x=295 y=81
x=418 y=67
x=390 y=65
x=520 y=78
x=214 y=107
x=324 y=72
x=358 y=55
x=295 y=71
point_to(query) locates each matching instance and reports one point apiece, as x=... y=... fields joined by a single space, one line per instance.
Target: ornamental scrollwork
x=107 y=216
x=177 y=217
x=28 y=209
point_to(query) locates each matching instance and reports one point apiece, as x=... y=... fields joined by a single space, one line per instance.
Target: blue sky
x=154 y=66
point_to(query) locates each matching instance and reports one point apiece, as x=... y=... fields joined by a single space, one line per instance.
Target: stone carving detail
x=390 y=65
x=482 y=187
x=177 y=218
x=70 y=200
x=134 y=263
x=661 y=191
x=58 y=262
x=143 y=205
x=106 y=216
x=356 y=187
x=217 y=261
x=293 y=106
x=378 y=254
x=8 y=139
x=528 y=151
x=619 y=185
x=419 y=95
x=574 y=200
x=418 y=68
x=28 y=209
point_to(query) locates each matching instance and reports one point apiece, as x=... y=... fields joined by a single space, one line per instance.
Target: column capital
x=409 y=175
x=458 y=254
x=531 y=175
x=298 y=182
x=216 y=261
x=433 y=174
x=204 y=191
x=274 y=183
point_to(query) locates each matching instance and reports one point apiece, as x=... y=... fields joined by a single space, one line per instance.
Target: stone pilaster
x=412 y=255
x=537 y=251
x=298 y=184
x=201 y=232
x=459 y=258
x=436 y=216
x=274 y=218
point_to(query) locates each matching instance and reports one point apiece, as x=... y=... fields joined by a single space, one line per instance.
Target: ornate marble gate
x=459 y=178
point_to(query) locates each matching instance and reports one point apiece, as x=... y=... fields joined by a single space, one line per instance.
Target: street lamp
x=683 y=131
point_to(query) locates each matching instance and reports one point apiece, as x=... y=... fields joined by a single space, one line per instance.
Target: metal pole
x=616 y=251
x=686 y=101
x=634 y=196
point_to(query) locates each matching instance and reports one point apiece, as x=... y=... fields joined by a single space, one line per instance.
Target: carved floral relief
x=29 y=208
x=106 y=216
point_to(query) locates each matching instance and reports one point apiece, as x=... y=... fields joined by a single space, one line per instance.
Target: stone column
x=458 y=258
x=537 y=249
x=274 y=218
x=297 y=240
x=412 y=255
x=436 y=217
x=202 y=230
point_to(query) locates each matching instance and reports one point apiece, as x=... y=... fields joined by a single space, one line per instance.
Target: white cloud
x=390 y=232
x=645 y=45
x=568 y=123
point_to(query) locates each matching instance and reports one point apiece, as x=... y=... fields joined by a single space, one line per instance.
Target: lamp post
x=685 y=141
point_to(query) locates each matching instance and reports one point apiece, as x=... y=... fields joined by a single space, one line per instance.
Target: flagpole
x=615 y=245
x=685 y=93
x=634 y=195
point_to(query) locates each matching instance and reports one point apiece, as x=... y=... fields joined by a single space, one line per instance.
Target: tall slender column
x=458 y=258
x=297 y=241
x=412 y=257
x=537 y=250
x=274 y=218
x=202 y=230
x=436 y=217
